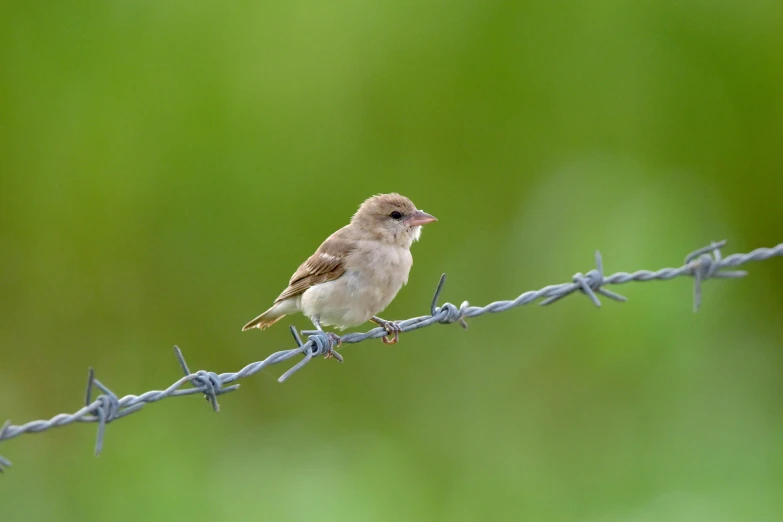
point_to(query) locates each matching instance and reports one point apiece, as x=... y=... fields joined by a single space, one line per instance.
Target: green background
x=167 y=165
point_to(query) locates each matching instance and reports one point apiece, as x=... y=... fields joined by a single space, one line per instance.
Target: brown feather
x=263 y=321
x=326 y=264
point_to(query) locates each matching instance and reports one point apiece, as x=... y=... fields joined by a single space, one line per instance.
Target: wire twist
x=702 y=264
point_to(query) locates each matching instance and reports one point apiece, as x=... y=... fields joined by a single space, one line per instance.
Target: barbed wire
x=702 y=264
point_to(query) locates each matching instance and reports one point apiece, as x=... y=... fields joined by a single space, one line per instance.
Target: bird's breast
x=383 y=267
x=372 y=278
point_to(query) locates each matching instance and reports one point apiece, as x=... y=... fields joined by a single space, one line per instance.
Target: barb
x=702 y=264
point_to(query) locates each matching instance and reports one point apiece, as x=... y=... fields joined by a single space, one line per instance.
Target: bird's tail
x=266 y=319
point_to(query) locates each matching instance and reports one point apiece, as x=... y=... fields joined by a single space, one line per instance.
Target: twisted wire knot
x=705 y=263
x=108 y=409
x=452 y=313
x=705 y=266
x=211 y=384
x=320 y=343
x=593 y=279
x=589 y=284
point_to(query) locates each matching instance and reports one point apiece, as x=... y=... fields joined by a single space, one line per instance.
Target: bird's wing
x=327 y=264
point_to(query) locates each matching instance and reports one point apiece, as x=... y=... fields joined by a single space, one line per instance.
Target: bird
x=356 y=272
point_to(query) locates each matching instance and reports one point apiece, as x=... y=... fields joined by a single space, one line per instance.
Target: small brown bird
x=357 y=271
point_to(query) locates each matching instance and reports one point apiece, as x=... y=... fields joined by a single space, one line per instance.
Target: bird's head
x=392 y=218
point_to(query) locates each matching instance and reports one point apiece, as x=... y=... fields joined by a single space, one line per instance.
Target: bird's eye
x=396 y=215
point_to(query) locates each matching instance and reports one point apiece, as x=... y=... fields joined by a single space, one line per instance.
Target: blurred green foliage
x=165 y=166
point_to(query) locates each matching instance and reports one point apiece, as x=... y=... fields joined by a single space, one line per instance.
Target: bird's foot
x=336 y=341
x=392 y=327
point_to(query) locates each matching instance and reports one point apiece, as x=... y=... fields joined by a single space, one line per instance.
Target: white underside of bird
x=358 y=294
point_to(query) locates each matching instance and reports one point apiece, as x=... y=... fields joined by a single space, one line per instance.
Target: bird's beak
x=420 y=218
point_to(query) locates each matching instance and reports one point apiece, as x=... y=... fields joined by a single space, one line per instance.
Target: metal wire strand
x=702 y=264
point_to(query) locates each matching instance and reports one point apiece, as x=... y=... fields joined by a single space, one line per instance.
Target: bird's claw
x=337 y=341
x=392 y=328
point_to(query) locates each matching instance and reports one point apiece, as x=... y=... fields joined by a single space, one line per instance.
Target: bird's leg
x=390 y=326
x=316 y=319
